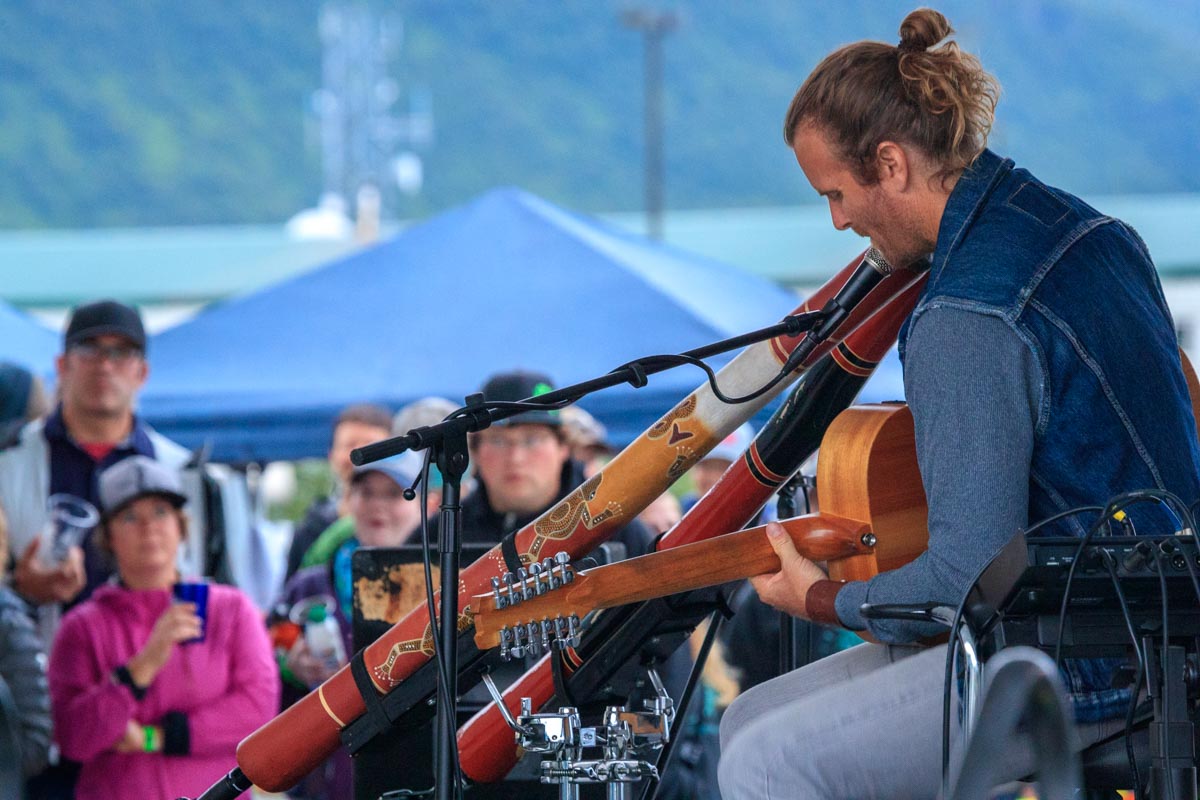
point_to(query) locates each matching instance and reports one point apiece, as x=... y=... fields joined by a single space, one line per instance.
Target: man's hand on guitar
x=786 y=590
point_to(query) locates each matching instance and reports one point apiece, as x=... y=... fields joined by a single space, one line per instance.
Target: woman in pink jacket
x=147 y=712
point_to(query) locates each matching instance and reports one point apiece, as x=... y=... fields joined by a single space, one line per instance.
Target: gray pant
x=863 y=723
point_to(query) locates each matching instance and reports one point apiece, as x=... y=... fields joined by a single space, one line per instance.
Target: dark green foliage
x=148 y=112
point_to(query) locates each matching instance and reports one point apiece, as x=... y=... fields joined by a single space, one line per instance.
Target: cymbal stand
x=625 y=740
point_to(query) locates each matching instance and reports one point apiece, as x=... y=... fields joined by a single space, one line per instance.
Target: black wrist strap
x=558 y=673
x=508 y=549
x=124 y=678
x=370 y=695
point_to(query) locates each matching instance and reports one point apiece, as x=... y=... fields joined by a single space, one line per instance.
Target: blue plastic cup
x=197 y=593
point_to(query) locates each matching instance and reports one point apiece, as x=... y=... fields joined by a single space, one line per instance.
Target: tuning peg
x=549 y=579
x=573 y=630
x=501 y=601
x=563 y=559
x=505 y=641
x=523 y=583
x=518 y=648
x=535 y=578
x=558 y=631
x=509 y=589
x=534 y=639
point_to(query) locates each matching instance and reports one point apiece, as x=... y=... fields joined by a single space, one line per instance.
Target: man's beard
x=900 y=218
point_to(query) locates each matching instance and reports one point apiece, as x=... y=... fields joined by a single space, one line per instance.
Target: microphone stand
x=794 y=650
x=452 y=459
x=448 y=441
x=785 y=508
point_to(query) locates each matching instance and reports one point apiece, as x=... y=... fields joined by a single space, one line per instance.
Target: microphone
x=871 y=271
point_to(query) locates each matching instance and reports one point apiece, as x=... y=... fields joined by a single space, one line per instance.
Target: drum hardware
x=624 y=738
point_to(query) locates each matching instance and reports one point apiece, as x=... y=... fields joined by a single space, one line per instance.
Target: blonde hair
x=935 y=98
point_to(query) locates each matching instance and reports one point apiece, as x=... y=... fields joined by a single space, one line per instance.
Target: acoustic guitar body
x=867 y=471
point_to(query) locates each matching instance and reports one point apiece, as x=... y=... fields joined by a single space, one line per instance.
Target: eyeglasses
x=116 y=353
x=390 y=496
x=132 y=515
x=523 y=441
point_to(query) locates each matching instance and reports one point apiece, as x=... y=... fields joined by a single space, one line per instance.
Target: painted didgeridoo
x=487 y=751
x=281 y=752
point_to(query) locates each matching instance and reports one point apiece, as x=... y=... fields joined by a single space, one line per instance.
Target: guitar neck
x=734 y=556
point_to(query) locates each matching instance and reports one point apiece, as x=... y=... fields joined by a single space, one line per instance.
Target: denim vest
x=1079 y=289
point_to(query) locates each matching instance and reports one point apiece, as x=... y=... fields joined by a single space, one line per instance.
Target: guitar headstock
x=530 y=611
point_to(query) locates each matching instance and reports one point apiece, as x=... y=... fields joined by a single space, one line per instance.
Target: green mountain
x=148 y=112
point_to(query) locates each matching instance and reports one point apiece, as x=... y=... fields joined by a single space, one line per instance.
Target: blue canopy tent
x=27 y=342
x=506 y=281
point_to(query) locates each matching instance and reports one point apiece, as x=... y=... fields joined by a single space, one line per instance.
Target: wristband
x=124 y=678
x=285 y=672
x=151 y=743
x=820 y=602
x=175 y=738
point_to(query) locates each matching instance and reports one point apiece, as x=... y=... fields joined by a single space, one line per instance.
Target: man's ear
x=893 y=164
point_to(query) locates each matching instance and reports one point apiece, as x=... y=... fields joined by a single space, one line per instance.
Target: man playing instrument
x=1043 y=374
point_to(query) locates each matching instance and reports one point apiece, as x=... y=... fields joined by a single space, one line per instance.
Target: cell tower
x=370 y=145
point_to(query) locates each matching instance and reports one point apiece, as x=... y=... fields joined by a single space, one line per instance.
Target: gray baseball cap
x=402 y=469
x=136 y=477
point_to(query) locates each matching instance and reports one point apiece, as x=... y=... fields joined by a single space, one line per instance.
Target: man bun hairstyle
x=931 y=96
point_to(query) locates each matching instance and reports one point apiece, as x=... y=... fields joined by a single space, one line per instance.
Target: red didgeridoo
x=281 y=752
x=486 y=746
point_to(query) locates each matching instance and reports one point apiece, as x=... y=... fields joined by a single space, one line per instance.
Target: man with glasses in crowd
x=101 y=370
x=524 y=466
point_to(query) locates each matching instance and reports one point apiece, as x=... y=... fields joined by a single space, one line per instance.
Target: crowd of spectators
x=117 y=685
x=118 y=689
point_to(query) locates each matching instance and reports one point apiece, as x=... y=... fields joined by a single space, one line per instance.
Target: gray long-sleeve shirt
x=974 y=388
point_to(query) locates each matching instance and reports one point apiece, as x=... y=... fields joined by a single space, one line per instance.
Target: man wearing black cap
x=524 y=466
x=100 y=371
